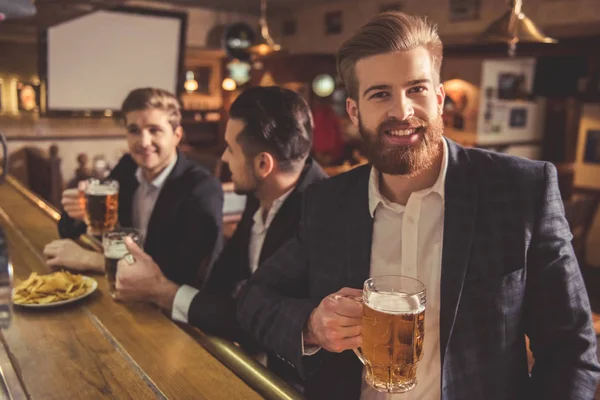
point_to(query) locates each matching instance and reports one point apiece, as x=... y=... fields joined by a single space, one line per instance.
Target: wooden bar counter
x=97 y=348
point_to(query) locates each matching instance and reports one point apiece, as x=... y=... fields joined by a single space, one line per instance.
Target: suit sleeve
x=203 y=232
x=557 y=312
x=274 y=305
x=69 y=228
x=213 y=308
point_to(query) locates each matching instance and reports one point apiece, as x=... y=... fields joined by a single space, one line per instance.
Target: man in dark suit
x=484 y=232
x=268 y=136
x=176 y=204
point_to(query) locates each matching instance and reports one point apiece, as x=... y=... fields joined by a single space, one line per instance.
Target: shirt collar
x=159 y=181
x=375 y=197
x=258 y=221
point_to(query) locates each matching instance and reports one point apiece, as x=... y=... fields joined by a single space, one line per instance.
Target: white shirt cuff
x=183 y=300
x=309 y=350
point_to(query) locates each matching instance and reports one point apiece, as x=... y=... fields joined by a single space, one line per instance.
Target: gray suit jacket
x=508 y=269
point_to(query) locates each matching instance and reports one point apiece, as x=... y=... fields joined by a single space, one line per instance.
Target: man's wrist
x=164 y=293
x=308 y=336
x=94 y=261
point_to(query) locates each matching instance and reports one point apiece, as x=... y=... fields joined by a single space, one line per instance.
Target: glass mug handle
x=357 y=350
x=359 y=354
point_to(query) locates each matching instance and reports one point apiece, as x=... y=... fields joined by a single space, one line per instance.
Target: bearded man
x=485 y=233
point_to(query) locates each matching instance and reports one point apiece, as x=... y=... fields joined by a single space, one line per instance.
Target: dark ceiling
x=52 y=12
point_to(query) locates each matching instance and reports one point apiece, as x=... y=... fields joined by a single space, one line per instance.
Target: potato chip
x=45 y=289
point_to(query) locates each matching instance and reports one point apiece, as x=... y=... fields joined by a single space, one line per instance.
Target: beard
x=249 y=184
x=407 y=160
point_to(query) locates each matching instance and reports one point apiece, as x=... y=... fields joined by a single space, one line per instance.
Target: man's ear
x=352 y=109
x=264 y=164
x=178 y=132
x=440 y=95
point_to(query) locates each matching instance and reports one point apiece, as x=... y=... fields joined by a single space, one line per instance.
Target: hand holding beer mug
x=114 y=250
x=73 y=202
x=393 y=331
x=101 y=206
x=336 y=323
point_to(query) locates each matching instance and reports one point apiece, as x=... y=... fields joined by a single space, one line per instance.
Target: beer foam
x=115 y=250
x=395 y=303
x=101 y=190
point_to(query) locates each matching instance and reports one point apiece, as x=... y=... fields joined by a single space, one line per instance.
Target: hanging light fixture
x=514 y=27
x=265 y=44
x=229 y=84
x=190 y=84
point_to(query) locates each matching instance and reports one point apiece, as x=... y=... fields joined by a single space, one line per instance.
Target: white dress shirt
x=407 y=240
x=146 y=195
x=260 y=228
x=185 y=295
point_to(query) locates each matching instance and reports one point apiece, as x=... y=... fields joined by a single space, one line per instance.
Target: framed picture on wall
x=28 y=97
x=518 y=117
x=510 y=85
x=464 y=10
x=333 y=23
x=592 y=147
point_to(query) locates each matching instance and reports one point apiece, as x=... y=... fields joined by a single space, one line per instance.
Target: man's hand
x=65 y=253
x=141 y=279
x=336 y=324
x=72 y=205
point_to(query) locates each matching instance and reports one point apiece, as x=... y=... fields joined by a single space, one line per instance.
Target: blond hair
x=151 y=98
x=388 y=32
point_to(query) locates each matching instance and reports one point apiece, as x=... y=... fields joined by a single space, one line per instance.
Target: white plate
x=92 y=284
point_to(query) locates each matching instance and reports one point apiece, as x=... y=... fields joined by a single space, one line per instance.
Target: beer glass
x=114 y=250
x=393 y=330
x=101 y=206
x=81 y=186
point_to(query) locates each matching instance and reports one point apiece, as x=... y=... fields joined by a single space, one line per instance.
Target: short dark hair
x=152 y=98
x=277 y=121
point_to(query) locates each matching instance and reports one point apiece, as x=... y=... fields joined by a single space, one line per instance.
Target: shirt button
x=410 y=220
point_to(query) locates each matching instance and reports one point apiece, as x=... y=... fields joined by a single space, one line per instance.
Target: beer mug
x=114 y=250
x=101 y=206
x=393 y=330
x=81 y=196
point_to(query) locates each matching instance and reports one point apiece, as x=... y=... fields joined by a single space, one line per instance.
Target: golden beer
x=393 y=331
x=101 y=207
x=82 y=199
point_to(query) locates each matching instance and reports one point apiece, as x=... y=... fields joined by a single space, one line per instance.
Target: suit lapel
x=128 y=186
x=459 y=221
x=358 y=231
x=286 y=218
x=245 y=232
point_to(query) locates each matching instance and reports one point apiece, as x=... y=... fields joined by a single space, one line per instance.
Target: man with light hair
x=484 y=232
x=176 y=204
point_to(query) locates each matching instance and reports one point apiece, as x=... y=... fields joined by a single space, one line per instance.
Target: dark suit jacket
x=213 y=309
x=185 y=229
x=508 y=269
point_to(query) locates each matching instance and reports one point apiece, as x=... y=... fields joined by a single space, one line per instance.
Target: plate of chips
x=53 y=290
